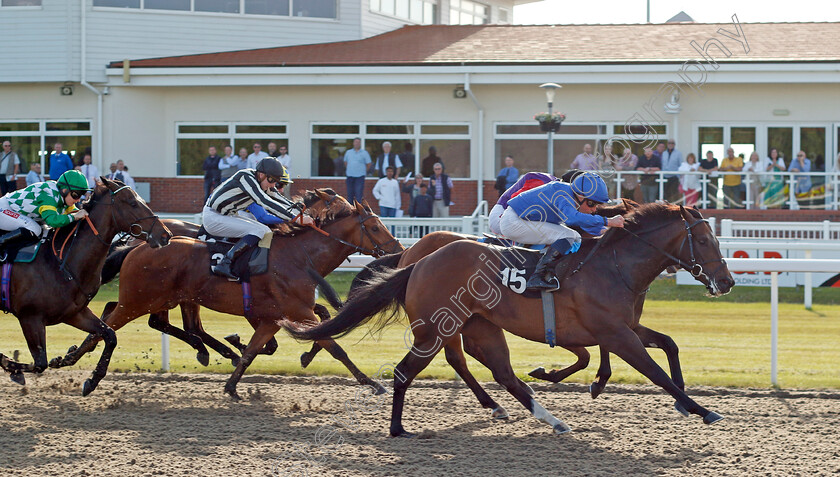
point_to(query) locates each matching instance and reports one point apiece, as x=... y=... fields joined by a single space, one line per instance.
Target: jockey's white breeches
x=233 y=226
x=531 y=232
x=11 y=220
x=494 y=218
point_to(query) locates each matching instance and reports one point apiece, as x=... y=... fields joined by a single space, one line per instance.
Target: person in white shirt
x=387 y=192
x=256 y=156
x=690 y=183
x=90 y=171
x=120 y=173
x=285 y=159
x=754 y=166
x=229 y=164
x=772 y=160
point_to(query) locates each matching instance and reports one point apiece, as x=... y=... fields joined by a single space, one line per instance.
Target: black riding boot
x=542 y=277
x=18 y=235
x=223 y=268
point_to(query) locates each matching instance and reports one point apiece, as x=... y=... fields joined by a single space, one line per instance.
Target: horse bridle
x=376 y=251
x=695 y=268
x=135 y=229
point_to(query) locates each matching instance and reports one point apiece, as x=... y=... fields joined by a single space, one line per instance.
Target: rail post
x=774 y=328
x=164 y=352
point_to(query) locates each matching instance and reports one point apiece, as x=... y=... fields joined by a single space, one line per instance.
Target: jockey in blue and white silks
x=543 y=215
x=527 y=182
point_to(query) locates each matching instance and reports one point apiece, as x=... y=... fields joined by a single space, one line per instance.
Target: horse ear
x=321 y=194
x=365 y=203
x=360 y=209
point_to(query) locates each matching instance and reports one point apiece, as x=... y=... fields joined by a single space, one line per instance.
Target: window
x=33 y=141
x=504 y=15
x=117 y=3
x=20 y=3
x=466 y=12
x=194 y=140
x=411 y=141
x=417 y=11
x=295 y=8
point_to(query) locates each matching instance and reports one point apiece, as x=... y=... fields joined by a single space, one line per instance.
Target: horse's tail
x=114 y=260
x=327 y=291
x=378 y=265
x=384 y=292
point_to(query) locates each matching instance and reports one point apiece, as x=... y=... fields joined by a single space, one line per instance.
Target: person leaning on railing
x=752 y=167
x=690 y=183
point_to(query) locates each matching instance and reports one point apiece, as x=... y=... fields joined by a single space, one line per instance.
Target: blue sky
x=704 y=11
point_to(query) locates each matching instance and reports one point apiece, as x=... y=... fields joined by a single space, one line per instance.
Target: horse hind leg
x=160 y=322
x=264 y=332
x=307 y=357
x=455 y=357
x=36 y=340
x=420 y=355
x=497 y=358
x=190 y=316
x=474 y=350
x=338 y=353
x=557 y=375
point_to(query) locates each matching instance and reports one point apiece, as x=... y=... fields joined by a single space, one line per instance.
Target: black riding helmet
x=271 y=167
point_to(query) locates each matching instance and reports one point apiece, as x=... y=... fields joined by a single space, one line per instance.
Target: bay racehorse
x=152 y=284
x=58 y=285
x=467 y=296
x=193 y=332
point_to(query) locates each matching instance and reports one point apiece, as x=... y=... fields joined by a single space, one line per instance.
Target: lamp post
x=549 y=96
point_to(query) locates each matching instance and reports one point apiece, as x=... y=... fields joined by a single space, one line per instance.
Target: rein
x=376 y=251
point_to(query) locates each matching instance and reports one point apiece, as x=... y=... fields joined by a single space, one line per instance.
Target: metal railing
x=824 y=192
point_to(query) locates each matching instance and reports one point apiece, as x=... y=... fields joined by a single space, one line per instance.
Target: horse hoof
x=537 y=373
x=18 y=377
x=406 y=434
x=595 y=390
x=234 y=362
x=305 y=360
x=203 y=357
x=72 y=349
x=712 y=417
x=499 y=413
x=56 y=362
x=680 y=409
x=561 y=428
x=378 y=388
x=88 y=387
x=233 y=339
x=233 y=394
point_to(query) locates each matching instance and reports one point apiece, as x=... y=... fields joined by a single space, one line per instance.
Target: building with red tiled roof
x=472 y=91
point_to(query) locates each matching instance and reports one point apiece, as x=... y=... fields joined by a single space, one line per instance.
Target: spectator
x=120 y=172
x=629 y=182
x=228 y=164
x=731 y=183
x=212 y=174
x=243 y=159
x=413 y=189
x=428 y=164
x=90 y=171
x=9 y=168
x=689 y=183
x=709 y=165
x=771 y=162
x=34 y=175
x=659 y=150
x=510 y=173
x=388 y=159
x=284 y=157
x=407 y=157
x=255 y=157
x=421 y=205
x=272 y=150
x=774 y=190
x=357 y=163
x=59 y=162
x=753 y=167
x=585 y=161
x=648 y=164
x=672 y=159
x=387 y=192
x=443 y=191
x=801 y=164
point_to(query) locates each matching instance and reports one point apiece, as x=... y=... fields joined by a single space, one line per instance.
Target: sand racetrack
x=181 y=424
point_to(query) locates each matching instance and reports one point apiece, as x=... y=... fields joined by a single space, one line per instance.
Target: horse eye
x=375 y=228
x=702 y=241
x=134 y=203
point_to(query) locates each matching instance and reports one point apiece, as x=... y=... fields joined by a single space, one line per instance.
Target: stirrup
x=551 y=285
x=224 y=271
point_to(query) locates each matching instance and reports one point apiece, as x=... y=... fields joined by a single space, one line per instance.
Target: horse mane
x=324 y=218
x=637 y=217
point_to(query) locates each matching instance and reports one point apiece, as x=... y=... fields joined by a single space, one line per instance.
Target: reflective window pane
x=222 y=6
x=416 y=11
x=742 y=140
x=20 y=3
x=73 y=146
x=402 y=8
x=18 y=127
x=529 y=155
x=27 y=149
x=445 y=129
x=335 y=129
x=711 y=139
x=454 y=154
x=202 y=129
x=267 y=7
x=429 y=11
x=518 y=129
x=390 y=129
x=181 y=5
x=315 y=8
x=328 y=156
x=79 y=126
x=191 y=154
x=260 y=129
x=782 y=140
x=117 y=3
x=812 y=141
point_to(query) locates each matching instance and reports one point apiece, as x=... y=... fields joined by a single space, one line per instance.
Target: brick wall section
x=185 y=195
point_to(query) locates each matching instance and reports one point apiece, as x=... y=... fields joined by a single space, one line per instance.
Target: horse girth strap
x=549 y=320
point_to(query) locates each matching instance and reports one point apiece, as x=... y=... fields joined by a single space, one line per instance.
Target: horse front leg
x=75 y=353
x=655 y=339
x=160 y=322
x=85 y=320
x=455 y=357
x=265 y=331
x=557 y=375
x=603 y=375
x=627 y=345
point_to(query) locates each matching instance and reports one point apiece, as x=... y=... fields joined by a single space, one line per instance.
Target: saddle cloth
x=516 y=265
x=245 y=265
x=23 y=252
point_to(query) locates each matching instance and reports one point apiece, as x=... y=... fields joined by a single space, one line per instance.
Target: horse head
x=701 y=254
x=130 y=213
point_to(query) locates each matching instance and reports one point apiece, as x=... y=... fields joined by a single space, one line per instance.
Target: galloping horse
x=58 y=285
x=627 y=261
x=193 y=333
x=155 y=283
